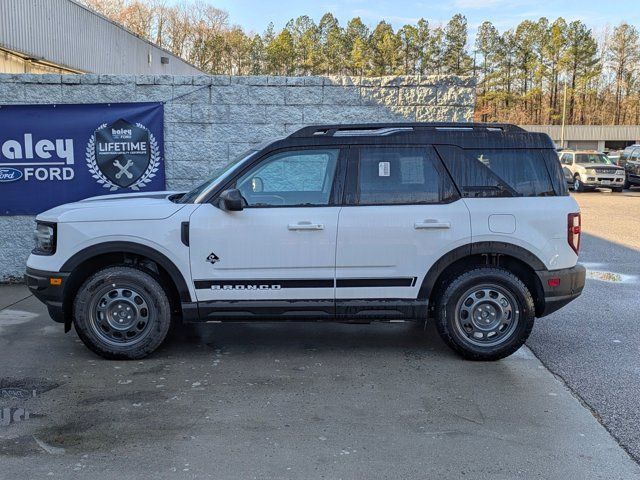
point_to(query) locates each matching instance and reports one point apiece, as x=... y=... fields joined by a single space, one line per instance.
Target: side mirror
x=231 y=200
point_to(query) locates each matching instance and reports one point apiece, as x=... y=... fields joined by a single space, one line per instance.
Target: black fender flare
x=478 y=248
x=136 y=249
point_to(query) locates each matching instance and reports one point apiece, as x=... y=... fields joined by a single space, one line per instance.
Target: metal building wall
x=65 y=33
x=588 y=132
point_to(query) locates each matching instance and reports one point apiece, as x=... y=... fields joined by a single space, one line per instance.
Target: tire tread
x=496 y=353
x=148 y=281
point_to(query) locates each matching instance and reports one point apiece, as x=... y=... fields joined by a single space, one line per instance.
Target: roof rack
x=382 y=129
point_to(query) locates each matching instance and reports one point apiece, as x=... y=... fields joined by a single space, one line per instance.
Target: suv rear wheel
x=122 y=313
x=485 y=314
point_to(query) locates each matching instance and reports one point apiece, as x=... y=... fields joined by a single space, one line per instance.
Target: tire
x=487 y=294
x=577 y=184
x=122 y=313
x=627 y=185
x=617 y=189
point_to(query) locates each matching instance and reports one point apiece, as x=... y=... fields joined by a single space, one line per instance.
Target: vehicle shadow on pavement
x=293 y=337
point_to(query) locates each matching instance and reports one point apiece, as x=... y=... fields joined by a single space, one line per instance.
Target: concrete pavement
x=286 y=401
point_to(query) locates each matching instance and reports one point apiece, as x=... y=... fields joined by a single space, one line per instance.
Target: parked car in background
x=614 y=156
x=588 y=170
x=630 y=161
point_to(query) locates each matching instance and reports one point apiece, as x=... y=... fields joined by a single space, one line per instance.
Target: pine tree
x=409 y=50
x=256 y=56
x=423 y=39
x=456 y=58
x=487 y=45
x=436 y=50
x=332 y=44
x=356 y=43
x=580 y=59
x=623 y=54
x=306 y=43
x=555 y=53
x=525 y=59
x=386 y=50
x=280 y=54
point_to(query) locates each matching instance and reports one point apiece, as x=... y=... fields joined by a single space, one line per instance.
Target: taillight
x=573 y=231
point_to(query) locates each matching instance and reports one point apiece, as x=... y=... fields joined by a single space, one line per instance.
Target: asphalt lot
x=336 y=401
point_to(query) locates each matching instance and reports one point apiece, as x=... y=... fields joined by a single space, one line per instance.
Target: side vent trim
x=184 y=233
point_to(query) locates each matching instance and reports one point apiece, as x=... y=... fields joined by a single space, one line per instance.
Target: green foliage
x=522 y=73
x=456 y=58
x=280 y=53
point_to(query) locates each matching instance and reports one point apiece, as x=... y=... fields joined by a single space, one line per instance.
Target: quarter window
x=291 y=178
x=400 y=175
x=503 y=172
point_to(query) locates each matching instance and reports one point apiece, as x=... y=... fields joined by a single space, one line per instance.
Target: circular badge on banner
x=123 y=155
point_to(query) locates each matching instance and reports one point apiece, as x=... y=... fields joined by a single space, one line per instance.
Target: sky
x=255 y=15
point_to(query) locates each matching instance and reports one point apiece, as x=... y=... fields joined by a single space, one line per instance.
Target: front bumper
x=570 y=285
x=48 y=292
x=606 y=181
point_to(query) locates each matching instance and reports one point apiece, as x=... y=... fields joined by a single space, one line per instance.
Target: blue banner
x=55 y=154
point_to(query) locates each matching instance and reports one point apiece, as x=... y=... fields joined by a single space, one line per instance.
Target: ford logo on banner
x=10 y=174
x=55 y=154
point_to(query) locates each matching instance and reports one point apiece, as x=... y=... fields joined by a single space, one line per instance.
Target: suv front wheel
x=485 y=314
x=122 y=313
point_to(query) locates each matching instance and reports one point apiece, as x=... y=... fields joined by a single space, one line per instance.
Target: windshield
x=593 y=158
x=216 y=178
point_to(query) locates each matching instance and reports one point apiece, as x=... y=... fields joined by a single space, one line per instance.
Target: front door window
x=290 y=179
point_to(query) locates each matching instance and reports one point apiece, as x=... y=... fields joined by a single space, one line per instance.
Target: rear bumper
x=39 y=283
x=568 y=289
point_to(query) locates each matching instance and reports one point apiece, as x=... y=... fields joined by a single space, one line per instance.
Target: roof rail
x=381 y=129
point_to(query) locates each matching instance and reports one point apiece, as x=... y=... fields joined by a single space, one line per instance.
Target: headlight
x=619 y=172
x=44 y=237
x=591 y=171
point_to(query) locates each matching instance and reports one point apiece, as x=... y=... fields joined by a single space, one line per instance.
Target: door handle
x=305 y=226
x=431 y=224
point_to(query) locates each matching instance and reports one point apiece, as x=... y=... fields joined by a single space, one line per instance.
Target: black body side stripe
x=270 y=284
x=260 y=284
x=375 y=282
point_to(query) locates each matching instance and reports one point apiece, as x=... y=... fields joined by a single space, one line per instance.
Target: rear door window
x=402 y=175
x=504 y=172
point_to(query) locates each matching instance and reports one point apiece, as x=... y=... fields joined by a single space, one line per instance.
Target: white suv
x=587 y=170
x=466 y=224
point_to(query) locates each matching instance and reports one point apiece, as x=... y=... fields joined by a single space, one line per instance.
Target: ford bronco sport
x=469 y=225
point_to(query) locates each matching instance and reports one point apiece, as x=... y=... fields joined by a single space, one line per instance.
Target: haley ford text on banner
x=55 y=154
